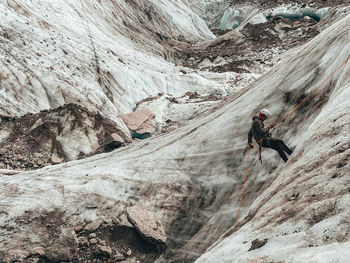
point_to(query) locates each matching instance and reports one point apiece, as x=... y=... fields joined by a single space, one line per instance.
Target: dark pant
x=277 y=145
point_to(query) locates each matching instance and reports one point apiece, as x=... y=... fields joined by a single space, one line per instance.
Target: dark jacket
x=257 y=130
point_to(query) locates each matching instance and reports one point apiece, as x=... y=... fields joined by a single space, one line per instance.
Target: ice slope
x=192 y=176
x=104 y=55
x=304 y=213
x=228 y=15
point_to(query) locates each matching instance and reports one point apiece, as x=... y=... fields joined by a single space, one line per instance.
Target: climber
x=263 y=137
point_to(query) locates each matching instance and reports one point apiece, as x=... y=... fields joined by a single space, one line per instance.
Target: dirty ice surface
x=193 y=174
x=304 y=213
x=82 y=52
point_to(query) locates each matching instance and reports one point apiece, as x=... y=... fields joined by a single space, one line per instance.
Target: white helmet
x=265 y=112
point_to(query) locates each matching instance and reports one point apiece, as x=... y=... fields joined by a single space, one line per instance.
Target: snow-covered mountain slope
x=191 y=177
x=104 y=55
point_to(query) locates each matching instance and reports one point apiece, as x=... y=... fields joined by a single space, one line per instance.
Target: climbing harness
x=277 y=123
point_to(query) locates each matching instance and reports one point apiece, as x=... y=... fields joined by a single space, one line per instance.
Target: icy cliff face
x=228 y=14
x=303 y=214
x=191 y=178
x=104 y=55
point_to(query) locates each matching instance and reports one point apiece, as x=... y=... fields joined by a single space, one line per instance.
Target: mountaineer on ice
x=263 y=137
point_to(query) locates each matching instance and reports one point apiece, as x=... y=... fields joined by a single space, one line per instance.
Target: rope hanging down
x=277 y=123
x=245 y=179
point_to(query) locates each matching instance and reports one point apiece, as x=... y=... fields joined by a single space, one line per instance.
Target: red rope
x=245 y=179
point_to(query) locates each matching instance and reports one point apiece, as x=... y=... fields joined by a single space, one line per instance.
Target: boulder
x=40 y=251
x=140 y=122
x=83 y=241
x=78 y=229
x=256 y=243
x=56 y=160
x=105 y=250
x=147 y=224
x=93 y=241
x=92 y=235
x=94 y=225
x=118 y=256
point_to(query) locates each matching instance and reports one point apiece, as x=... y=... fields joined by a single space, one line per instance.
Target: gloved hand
x=251 y=145
x=271 y=125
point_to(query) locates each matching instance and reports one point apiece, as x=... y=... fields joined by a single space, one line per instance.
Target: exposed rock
x=94 y=225
x=56 y=160
x=83 y=241
x=9 y=172
x=93 y=241
x=15 y=255
x=118 y=256
x=59 y=253
x=101 y=242
x=53 y=136
x=256 y=243
x=78 y=229
x=40 y=251
x=147 y=224
x=105 y=250
x=92 y=235
x=249 y=35
x=91 y=205
x=192 y=95
x=141 y=122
